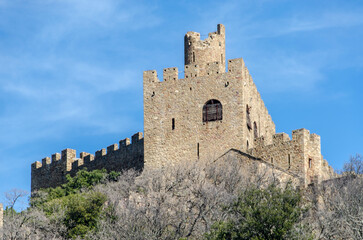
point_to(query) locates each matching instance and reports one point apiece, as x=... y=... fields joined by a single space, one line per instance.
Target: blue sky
x=71 y=70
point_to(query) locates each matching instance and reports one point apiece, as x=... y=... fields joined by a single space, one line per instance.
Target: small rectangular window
x=173 y=124
x=289 y=160
x=198 y=150
x=310 y=162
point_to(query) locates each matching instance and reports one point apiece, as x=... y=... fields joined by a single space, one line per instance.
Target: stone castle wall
x=300 y=155
x=256 y=169
x=175 y=131
x=51 y=172
x=173 y=125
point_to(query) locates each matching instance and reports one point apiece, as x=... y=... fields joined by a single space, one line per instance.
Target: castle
x=210 y=113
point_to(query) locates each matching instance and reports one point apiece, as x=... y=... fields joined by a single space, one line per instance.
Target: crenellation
x=214 y=68
x=191 y=71
x=315 y=138
x=207 y=114
x=236 y=66
x=50 y=174
x=125 y=142
x=170 y=74
x=279 y=138
x=137 y=137
x=100 y=153
x=88 y=158
x=45 y=161
x=82 y=155
x=55 y=157
x=300 y=134
x=68 y=154
x=36 y=165
x=150 y=76
x=112 y=148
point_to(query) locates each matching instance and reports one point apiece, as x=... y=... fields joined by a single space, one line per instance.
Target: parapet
x=51 y=172
x=170 y=74
x=300 y=134
x=236 y=65
x=301 y=154
x=150 y=76
x=280 y=138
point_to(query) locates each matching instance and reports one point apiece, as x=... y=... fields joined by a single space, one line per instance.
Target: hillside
x=203 y=200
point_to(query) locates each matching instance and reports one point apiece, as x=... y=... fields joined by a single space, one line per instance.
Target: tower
x=200 y=53
x=204 y=114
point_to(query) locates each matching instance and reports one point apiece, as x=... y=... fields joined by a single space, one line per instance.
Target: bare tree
x=338 y=204
x=32 y=224
x=180 y=201
x=14 y=196
x=354 y=166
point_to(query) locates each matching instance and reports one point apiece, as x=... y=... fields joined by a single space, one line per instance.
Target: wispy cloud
x=50 y=88
x=283 y=73
x=303 y=23
x=70 y=17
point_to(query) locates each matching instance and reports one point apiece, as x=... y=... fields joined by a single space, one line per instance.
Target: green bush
x=82 y=180
x=80 y=210
x=269 y=213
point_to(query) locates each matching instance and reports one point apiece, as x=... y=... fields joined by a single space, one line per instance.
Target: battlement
x=300 y=155
x=235 y=66
x=124 y=155
x=170 y=74
x=283 y=138
x=150 y=76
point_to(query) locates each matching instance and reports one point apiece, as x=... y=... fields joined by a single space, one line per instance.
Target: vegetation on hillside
x=199 y=201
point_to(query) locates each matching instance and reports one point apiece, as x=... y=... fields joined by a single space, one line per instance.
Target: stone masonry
x=178 y=127
x=51 y=172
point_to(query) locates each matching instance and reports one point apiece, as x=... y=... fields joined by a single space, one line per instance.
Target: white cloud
x=283 y=72
x=71 y=17
x=301 y=22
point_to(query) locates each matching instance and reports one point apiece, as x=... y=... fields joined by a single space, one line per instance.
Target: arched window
x=212 y=111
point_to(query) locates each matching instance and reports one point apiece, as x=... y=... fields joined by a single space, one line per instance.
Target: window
x=289 y=160
x=249 y=125
x=255 y=131
x=198 y=150
x=212 y=111
x=193 y=57
x=310 y=162
x=248 y=145
x=173 y=124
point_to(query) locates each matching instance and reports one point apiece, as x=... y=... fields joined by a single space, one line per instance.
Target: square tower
x=205 y=114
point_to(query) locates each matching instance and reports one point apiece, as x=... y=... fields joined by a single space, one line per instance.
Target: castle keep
x=205 y=115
